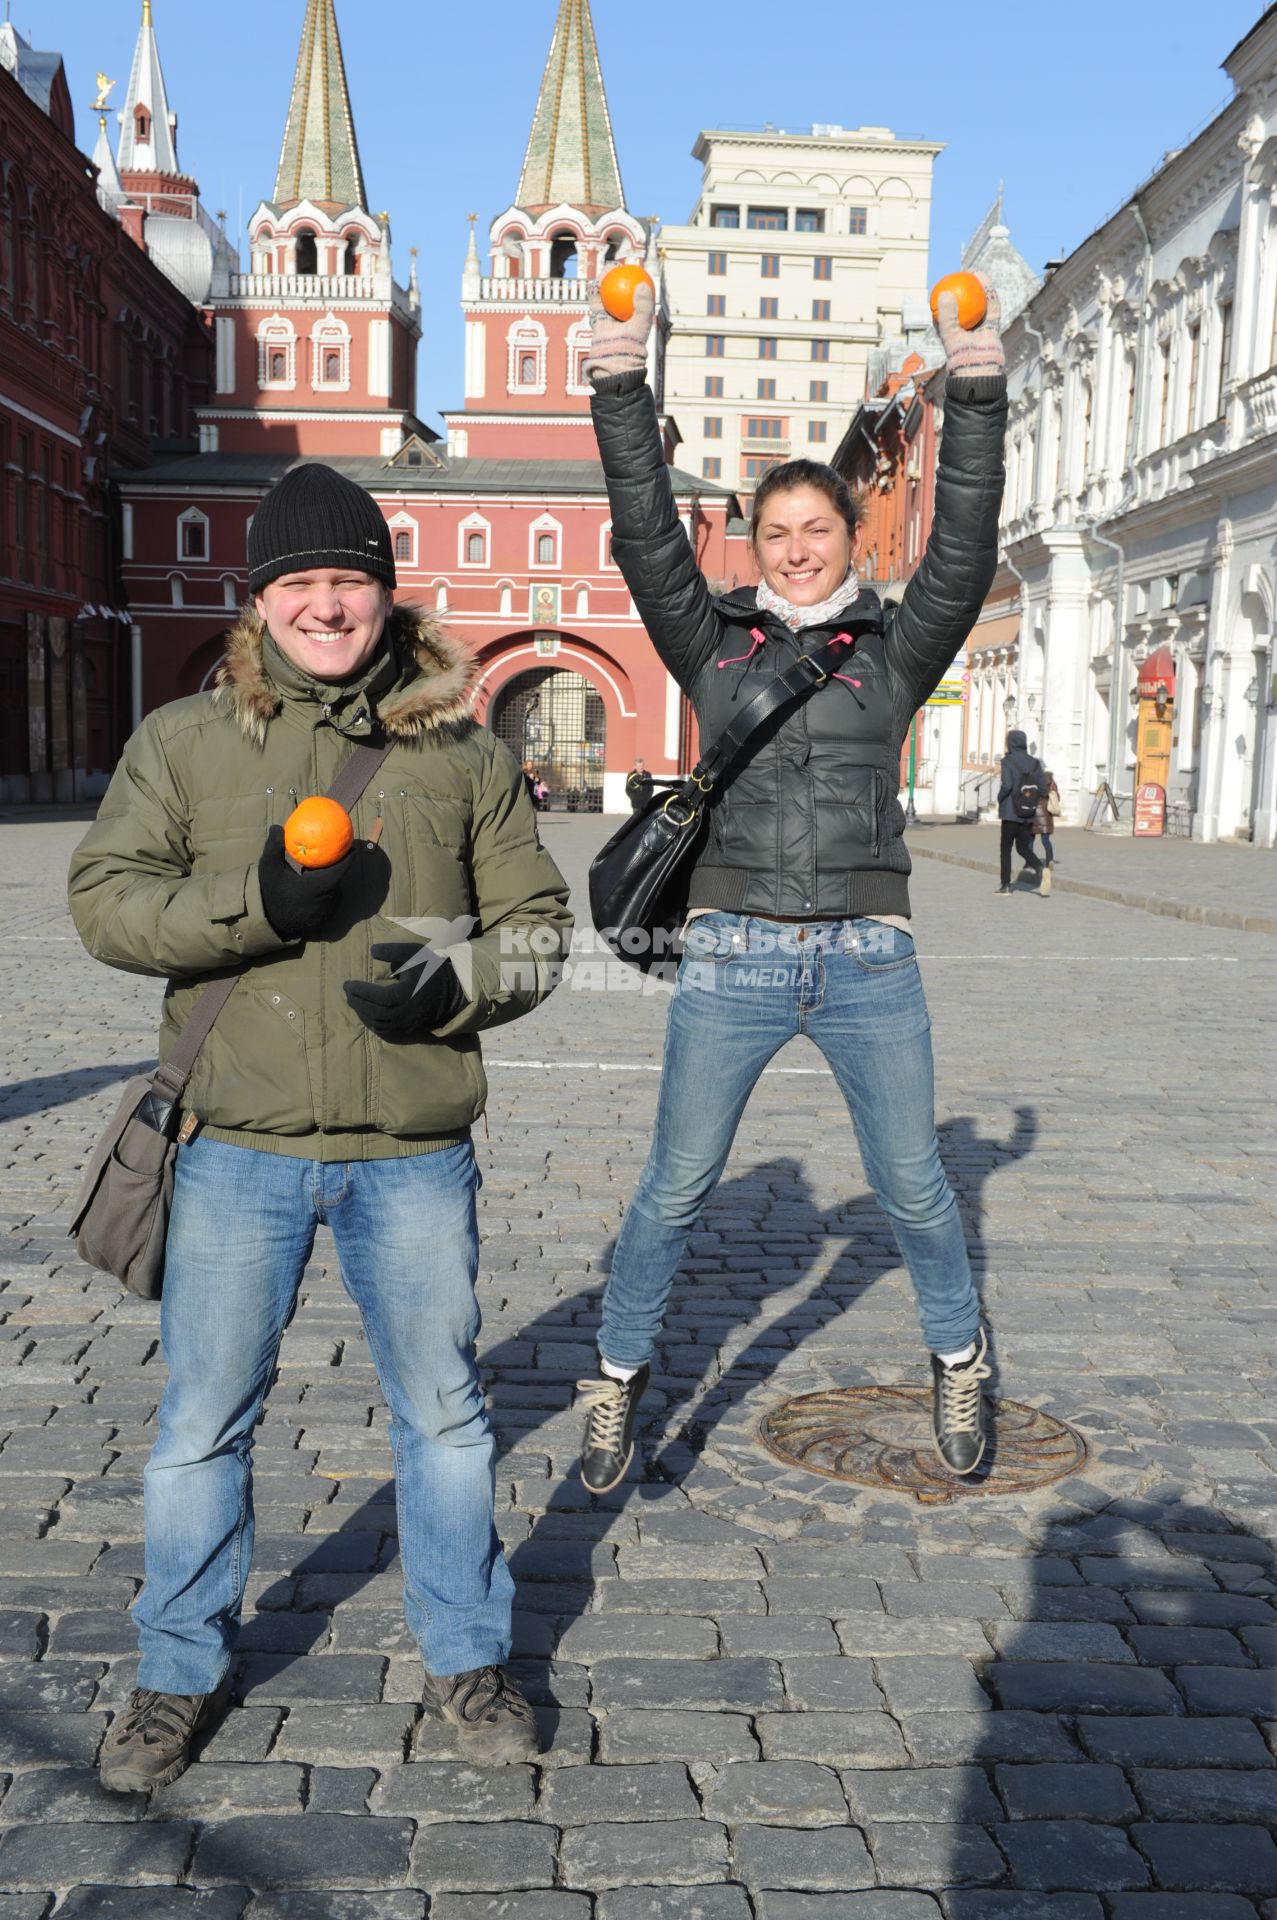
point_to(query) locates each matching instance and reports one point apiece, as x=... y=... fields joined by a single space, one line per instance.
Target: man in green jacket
x=339 y=1086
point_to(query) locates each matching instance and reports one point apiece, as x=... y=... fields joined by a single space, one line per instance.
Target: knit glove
x=976 y=355
x=619 y=346
x=423 y=994
x=297 y=903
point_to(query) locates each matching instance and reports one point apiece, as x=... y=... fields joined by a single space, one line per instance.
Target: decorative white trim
x=543 y=524
x=476 y=359
x=330 y=335
x=606 y=563
x=303 y=413
x=578 y=346
x=566 y=653
x=193 y=517
x=474 y=523
x=403 y=523
x=225 y=337
x=525 y=336
x=276 y=335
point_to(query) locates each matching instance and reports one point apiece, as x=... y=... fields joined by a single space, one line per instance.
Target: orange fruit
x=318 y=832
x=618 y=287
x=967 y=290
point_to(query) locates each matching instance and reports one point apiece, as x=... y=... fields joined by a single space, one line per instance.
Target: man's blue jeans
x=241 y=1231
x=745 y=987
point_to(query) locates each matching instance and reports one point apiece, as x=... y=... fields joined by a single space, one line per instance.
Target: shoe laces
x=160 y=1717
x=960 y=1389
x=608 y=1401
x=484 y=1692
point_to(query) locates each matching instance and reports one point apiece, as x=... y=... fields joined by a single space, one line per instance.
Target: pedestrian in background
x=804 y=860
x=638 y=786
x=1044 y=824
x=338 y=1085
x=1022 y=790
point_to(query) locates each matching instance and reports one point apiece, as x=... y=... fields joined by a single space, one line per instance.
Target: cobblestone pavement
x=766 y=1695
x=1227 y=885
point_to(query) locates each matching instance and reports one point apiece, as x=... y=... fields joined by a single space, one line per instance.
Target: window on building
x=1131 y=370
x=142 y=123
x=278 y=364
x=403 y=543
x=718 y=262
x=1225 y=349
x=716 y=305
x=818 y=430
x=769 y=308
x=820 y=309
x=823 y=267
x=332 y=363
x=767 y=347
x=764 y=427
x=350 y=258
x=856 y=221
x=527 y=369
x=545 y=549
x=809 y=220
x=767 y=390
x=711 y=468
x=769 y=266
x=714 y=346
x=818 y=390
x=713 y=386
x=754 y=466
x=476 y=549
x=820 y=349
x=713 y=426
x=1194 y=367
x=194 y=540
x=724 y=217
x=768 y=219
x=307 y=252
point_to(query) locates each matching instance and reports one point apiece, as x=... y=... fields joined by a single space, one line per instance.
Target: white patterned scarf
x=769 y=601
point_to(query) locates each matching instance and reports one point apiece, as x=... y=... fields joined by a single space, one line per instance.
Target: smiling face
x=804 y=546
x=326 y=620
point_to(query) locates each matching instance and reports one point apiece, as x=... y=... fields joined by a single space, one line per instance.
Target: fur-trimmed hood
x=431 y=691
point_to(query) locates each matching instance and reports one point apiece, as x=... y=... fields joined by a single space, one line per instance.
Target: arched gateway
x=555 y=718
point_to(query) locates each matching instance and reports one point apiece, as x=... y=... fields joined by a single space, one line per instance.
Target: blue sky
x=1072 y=106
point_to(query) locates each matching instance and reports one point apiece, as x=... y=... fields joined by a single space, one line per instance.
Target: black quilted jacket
x=810 y=823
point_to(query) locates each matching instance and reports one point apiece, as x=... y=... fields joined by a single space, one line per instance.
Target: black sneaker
x=958 y=1408
x=490 y=1712
x=609 y=1431
x=149 y=1744
x=1007 y=889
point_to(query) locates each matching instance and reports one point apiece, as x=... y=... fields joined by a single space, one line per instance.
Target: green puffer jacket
x=165 y=882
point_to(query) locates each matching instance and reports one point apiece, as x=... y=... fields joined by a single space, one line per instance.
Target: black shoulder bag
x=121 y=1215
x=640 y=879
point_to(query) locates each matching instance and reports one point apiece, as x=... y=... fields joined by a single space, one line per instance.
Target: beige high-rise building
x=802 y=249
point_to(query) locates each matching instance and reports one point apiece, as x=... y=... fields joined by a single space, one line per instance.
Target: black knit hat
x=315 y=517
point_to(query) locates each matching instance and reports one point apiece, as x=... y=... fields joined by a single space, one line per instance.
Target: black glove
x=297 y=904
x=424 y=993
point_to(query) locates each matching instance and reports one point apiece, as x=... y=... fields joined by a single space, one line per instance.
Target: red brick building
x=101 y=356
x=505 y=529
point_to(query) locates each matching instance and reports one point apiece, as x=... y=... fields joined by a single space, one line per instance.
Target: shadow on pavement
x=45 y=1090
x=1113 y=1762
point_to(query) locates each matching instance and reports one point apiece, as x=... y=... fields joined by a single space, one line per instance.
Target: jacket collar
x=419 y=682
x=741 y=607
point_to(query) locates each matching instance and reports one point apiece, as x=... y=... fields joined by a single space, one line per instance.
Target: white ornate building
x=1141 y=501
x=802 y=247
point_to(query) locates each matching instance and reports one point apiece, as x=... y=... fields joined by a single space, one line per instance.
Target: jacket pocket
x=254 y=1072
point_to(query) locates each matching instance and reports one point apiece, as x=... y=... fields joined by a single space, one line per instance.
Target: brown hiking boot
x=490 y=1712
x=149 y=1744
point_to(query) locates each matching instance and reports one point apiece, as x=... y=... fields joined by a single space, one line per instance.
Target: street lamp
x=1251 y=695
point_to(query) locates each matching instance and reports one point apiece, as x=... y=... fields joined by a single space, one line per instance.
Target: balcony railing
x=567 y=293
x=1260 y=398
x=749 y=443
x=321 y=288
x=1167 y=469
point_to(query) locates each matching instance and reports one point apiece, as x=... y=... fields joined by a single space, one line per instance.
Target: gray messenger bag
x=121 y=1215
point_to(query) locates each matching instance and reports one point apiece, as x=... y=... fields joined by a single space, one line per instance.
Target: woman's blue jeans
x=744 y=987
x=242 y=1227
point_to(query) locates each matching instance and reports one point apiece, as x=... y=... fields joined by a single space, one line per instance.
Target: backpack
x=1027 y=797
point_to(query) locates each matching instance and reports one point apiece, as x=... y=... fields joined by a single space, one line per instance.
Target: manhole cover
x=881 y=1437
